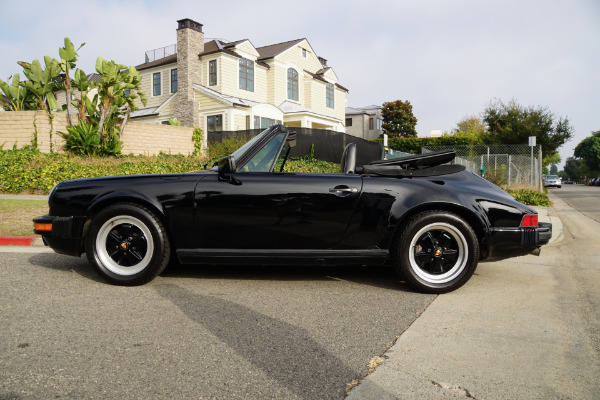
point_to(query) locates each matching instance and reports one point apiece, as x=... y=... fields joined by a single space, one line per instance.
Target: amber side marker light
x=529 y=220
x=42 y=227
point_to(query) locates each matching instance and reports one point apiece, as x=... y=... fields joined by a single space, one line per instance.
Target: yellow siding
x=294 y=56
x=165 y=83
x=240 y=121
x=208 y=103
x=229 y=68
x=246 y=47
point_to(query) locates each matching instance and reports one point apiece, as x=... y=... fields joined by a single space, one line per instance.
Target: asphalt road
x=194 y=332
x=585 y=199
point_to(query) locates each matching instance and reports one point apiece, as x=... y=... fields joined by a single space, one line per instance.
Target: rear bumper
x=512 y=242
x=65 y=236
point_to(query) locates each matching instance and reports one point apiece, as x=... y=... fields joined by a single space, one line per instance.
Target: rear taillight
x=529 y=220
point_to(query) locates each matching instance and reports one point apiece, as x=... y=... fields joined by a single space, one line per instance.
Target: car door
x=269 y=210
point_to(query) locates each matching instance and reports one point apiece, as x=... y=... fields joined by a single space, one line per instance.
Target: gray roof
x=273 y=50
x=144 y=112
x=290 y=107
x=370 y=110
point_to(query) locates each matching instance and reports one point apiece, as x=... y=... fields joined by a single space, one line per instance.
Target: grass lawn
x=16 y=216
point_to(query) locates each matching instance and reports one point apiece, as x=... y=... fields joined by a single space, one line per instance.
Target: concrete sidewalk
x=506 y=334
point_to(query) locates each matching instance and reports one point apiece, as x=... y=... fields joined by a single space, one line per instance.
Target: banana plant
x=68 y=57
x=118 y=87
x=81 y=83
x=15 y=95
x=42 y=82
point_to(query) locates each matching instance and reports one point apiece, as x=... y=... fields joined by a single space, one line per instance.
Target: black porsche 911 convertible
x=431 y=220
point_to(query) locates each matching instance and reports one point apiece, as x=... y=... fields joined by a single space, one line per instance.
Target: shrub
x=82 y=139
x=530 y=197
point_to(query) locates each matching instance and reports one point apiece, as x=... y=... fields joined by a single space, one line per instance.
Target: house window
x=329 y=96
x=379 y=124
x=173 y=80
x=304 y=53
x=256 y=122
x=266 y=122
x=214 y=123
x=348 y=121
x=371 y=126
x=212 y=72
x=247 y=122
x=247 y=74
x=292 y=84
x=156 y=84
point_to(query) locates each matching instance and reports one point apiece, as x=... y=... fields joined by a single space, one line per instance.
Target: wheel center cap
x=124 y=245
x=437 y=252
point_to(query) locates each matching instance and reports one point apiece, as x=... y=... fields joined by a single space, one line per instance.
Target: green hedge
x=413 y=145
x=29 y=171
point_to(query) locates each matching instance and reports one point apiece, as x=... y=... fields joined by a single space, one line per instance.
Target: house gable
x=247 y=50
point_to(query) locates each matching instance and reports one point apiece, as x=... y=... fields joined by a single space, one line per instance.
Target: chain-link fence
x=509 y=166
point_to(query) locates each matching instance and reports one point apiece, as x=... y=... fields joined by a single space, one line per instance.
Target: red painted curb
x=17 y=240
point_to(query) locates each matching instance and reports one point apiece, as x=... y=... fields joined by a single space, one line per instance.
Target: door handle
x=343 y=189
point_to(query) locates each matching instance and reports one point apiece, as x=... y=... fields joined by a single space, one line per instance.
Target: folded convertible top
x=428 y=164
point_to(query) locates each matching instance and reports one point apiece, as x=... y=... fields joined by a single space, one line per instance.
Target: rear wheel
x=127 y=244
x=437 y=252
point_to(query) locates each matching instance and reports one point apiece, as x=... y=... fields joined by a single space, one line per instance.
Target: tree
x=553 y=169
x=589 y=151
x=398 y=118
x=471 y=125
x=550 y=159
x=575 y=168
x=512 y=123
x=68 y=57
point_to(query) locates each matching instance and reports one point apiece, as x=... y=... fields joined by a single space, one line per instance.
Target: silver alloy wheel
x=124 y=245
x=441 y=247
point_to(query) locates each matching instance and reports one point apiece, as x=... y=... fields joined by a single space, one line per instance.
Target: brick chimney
x=190 y=43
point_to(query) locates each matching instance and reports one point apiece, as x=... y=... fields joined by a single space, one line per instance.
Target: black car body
x=433 y=222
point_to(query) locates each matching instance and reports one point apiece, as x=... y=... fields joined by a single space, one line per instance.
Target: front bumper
x=65 y=234
x=512 y=242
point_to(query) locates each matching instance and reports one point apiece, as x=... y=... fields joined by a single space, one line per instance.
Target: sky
x=449 y=58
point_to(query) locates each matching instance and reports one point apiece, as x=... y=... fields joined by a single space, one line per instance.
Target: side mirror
x=226 y=167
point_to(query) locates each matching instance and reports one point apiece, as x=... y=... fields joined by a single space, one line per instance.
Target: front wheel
x=437 y=252
x=127 y=244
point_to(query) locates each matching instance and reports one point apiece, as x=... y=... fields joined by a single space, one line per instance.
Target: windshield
x=264 y=159
x=237 y=154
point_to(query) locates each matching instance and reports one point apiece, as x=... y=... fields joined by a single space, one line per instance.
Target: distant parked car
x=568 y=182
x=552 y=181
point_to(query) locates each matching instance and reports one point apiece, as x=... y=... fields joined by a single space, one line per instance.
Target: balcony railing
x=157 y=54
